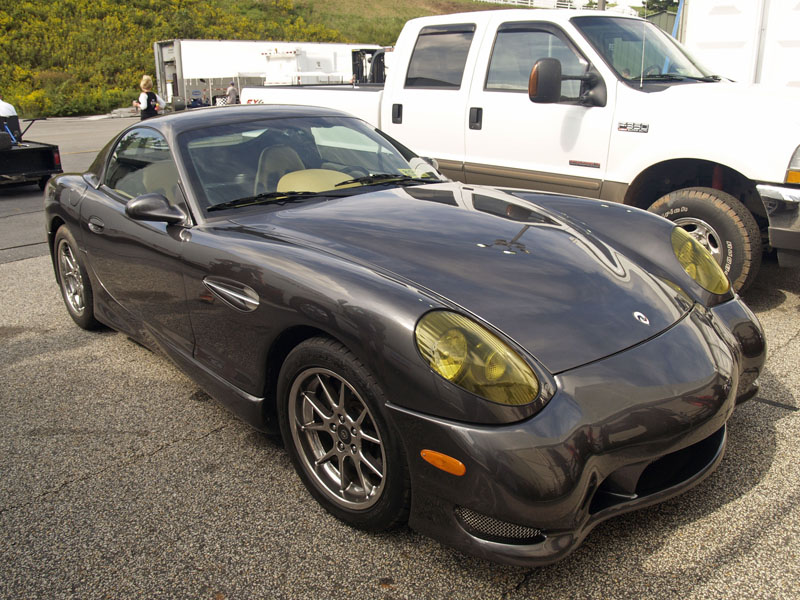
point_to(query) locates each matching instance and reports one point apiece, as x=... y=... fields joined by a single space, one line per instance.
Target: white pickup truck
x=593 y=104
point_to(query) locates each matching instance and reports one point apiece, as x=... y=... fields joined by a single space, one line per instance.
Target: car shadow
x=772 y=285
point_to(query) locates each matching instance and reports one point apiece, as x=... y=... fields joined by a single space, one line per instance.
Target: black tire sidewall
x=86 y=319
x=392 y=507
x=698 y=203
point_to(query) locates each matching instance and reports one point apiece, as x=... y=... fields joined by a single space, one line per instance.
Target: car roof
x=196 y=118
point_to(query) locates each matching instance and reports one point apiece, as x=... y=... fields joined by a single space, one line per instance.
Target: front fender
x=645 y=237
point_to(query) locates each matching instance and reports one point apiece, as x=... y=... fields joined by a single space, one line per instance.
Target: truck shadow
x=772 y=285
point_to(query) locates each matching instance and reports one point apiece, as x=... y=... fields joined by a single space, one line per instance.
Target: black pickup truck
x=24 y=161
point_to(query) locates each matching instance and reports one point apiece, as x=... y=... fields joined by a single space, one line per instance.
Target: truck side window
x=439 y=56
x=517 y=48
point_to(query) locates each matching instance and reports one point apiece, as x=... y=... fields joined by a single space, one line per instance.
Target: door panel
x=139 y=263
x=428 y=113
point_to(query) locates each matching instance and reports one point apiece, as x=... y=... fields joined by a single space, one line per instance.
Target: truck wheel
x=43 y=182
x=722 y=225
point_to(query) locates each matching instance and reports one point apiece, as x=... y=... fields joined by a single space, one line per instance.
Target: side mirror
x=596 y=95
x=431 y=161
x=153 y=207
x=544 y=83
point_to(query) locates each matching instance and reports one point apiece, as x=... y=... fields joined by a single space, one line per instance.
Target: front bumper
x=782 y=204
x=621 y=433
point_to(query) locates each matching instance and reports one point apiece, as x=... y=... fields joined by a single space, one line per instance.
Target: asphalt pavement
x=121 y=479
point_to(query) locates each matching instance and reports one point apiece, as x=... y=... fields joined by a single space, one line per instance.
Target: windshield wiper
x=277 y=197
x=386 y=178
x=676 y=77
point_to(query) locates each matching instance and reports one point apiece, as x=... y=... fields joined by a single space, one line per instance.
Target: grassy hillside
x=384 y=19
x=71 y=57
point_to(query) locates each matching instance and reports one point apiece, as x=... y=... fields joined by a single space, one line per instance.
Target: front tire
x=722 y=225
x=76 y=288
x=331 y=417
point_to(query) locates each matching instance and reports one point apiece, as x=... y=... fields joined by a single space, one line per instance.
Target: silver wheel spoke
x=369 y=438
x=326 y=457
x=327 y=393
x=316 y=407
x=370 y=466
x=365 y=485
x=313 y=426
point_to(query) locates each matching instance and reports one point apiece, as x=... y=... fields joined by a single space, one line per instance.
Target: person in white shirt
x=6 y=110
x=149 y=102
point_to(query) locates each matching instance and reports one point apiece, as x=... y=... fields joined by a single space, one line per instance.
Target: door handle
x=96 y=225
x=475 y=118
x=397 y=113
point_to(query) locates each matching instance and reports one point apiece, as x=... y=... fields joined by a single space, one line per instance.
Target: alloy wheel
x=337 y=439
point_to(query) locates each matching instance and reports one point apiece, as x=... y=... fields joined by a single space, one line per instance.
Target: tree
x=653 y=6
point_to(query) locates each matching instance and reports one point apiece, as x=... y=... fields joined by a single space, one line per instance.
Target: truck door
x=426 y=109
x=511 y=141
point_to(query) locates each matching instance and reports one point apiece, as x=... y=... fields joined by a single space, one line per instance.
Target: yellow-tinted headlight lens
x=449 y=354
x=475 y=359
x=698 y=262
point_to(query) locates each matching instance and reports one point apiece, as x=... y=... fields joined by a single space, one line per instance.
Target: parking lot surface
x=122 y=479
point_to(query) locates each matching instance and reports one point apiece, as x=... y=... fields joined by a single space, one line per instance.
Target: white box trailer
x=749 y=41
x=198 y=72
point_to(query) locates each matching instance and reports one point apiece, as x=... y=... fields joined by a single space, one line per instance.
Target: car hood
x=553 y=288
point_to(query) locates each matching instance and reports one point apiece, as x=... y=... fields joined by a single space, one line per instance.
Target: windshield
x=640 y=51
x=272 y=160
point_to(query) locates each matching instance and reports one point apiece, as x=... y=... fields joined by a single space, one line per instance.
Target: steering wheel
x=355 y=171
x=652 y=70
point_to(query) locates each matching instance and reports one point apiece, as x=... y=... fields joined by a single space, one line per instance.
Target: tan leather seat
x=311 y=180
x=161 y=178
x=273 y=164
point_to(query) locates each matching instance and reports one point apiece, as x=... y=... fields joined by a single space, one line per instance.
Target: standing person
x=232 y=93
x=149 y=102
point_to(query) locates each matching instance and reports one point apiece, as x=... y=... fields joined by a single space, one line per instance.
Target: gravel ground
x=121 y=479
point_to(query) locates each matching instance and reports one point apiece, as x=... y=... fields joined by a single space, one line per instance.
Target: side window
x=439 y=57
x=141 y=164
x=518 y=47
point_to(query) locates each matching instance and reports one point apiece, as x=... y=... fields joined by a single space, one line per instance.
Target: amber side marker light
x=448 y=464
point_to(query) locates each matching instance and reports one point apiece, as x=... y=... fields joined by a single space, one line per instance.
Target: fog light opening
x=494 y=530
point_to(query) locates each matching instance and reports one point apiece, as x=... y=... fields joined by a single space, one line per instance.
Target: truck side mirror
x=544 y=83
x=596 y=95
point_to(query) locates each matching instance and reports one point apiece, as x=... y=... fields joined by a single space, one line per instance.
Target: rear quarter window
x=439 y=57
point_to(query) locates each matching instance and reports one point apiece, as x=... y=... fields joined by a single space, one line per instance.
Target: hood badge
x=641 y=318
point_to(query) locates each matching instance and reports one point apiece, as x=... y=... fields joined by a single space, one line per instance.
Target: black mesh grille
x=496 y=530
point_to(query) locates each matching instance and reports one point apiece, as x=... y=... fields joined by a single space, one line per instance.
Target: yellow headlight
x=449 y=354
x=473 y=358
x=698 y=262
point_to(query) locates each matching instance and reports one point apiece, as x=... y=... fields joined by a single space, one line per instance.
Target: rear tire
x=722 y=225
x=76 y=288
x=330 y=410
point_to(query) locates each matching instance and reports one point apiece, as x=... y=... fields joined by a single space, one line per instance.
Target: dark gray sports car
x=501 y=369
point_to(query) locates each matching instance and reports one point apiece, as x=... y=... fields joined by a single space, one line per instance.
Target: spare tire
x=722 y=225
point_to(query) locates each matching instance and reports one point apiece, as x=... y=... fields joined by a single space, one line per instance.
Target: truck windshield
x=640 y=52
